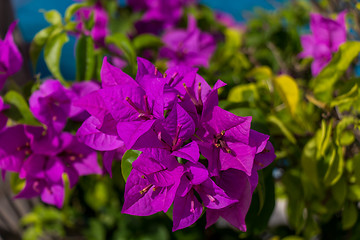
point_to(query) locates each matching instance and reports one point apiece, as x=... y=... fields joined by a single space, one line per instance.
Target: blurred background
x=31 y=20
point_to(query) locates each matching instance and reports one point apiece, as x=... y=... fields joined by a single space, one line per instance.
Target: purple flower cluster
x=190 y=47
x=195 y=155
x=41 y=155
x=327 y=35
x=158 y=14
x=100 y=29
x=10 y=57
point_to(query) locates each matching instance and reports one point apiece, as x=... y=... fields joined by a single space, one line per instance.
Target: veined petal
x=189 y=152
x=213 y=196
x=113 y=76
x=187 y=210
x=90 y=135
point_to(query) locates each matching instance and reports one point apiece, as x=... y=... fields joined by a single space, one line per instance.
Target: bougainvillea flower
x=178 y=128
x=41 y=159
x=226 y=142
x=81 y=89
x=189 y=47
x=110 y=156
x=100 y=28
x=187 y=208
x=81 y=16
x=49 y=192
x=91 y=134
x=265 y=151
x=51 y=104
x=10 y=57
x=236 y=184
x=138 y=5
x=151 y=186
x=43 y=178
x=195 y=94
x=77 y=159
x=159 y=14
x=14 y=148
x=171 y=118
x=113 y=76
x=134 y=110
x=327 y=35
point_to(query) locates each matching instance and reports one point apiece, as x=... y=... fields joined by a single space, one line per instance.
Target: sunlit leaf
x=53 y=17
x=38 y=44
x=147 y=41
x=288 y=91
x=309 y=162
x=123 y=42
x=244 y=93
x=52 y=54
x=70 y=11
x=347 y=97
x=277 y=122
x=16 y=100
x=323 y=84
x=345 y=136
x=335 y=168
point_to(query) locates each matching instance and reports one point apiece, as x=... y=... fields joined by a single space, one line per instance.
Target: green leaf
x=38 y=44
x=258 y=121
x=282 y=127
x=169 y=212
x=70 y=11
x=244 y=93
x=344 y=136
x=52 y=54
x=335 y=168
x=53 y=17
x=256 y=219
x=260 y=73
x=232 y=42
x=349 y=216
x=296 y=203
x=347 y=97
x=147 y=41
x=288 y=91
x=85 y=58
x=339 y=191
x=96 y=230
x=309 y=162
x=124 y=43
x=15 y=99
x=356 y=164
x=126 y=162
x=323 y=138
x=353 y=193
x=323 y=84
x=261 y=191
x=17 y=184
x=326 y=141
x=98 y=197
